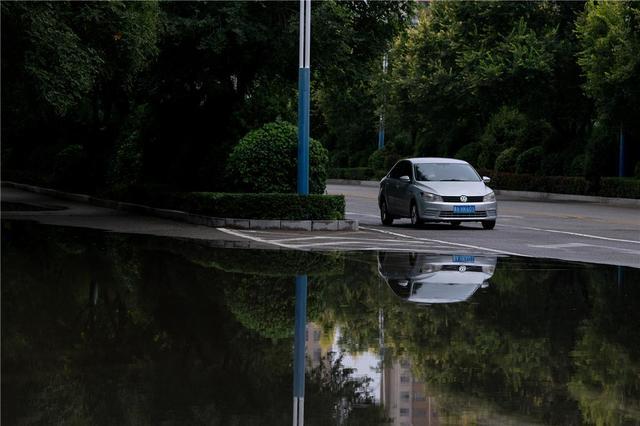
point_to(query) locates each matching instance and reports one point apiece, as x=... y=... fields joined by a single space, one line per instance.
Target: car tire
x=455 y=223
x=385 y=217
x=488 y=224
x=414 y=215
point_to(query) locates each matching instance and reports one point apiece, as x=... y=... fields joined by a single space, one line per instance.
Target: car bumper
x=444 y=212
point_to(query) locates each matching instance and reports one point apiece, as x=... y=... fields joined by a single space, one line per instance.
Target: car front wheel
x=385 y=217
x=488 y=224
x=415 y=217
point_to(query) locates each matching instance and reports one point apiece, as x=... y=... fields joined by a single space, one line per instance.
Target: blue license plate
x=463 y=259
x=464 y=209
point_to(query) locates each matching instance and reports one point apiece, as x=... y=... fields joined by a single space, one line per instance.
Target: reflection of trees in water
x=116 y=331
x=514 y=347
x=335 y=396
x=606 y=358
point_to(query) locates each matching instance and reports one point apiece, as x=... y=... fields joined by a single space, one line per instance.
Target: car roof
x=419 y=160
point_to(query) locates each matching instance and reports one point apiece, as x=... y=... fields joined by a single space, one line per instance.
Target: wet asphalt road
x=576 y=231
x=568 y=230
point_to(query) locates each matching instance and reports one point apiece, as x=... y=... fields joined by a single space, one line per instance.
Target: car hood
x=454 y=188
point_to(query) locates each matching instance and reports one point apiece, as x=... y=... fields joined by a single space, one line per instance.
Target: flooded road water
x=111 y=329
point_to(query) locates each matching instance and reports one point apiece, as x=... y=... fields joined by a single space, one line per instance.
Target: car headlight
x=489 y=197
x=427 y=196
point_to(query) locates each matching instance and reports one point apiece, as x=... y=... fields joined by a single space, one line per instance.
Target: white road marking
x=288 y=240
x=572 y=233
x=510 y=217
x=259 y=240
x=561 y=246
x=444 y=242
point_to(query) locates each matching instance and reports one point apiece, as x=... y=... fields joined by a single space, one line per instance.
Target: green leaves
x=609 y=34
x=265 y=160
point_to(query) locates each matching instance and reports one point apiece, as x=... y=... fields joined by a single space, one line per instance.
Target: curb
x=550 y=196
x=373 y=183
x=196 y=219
x=524 y=195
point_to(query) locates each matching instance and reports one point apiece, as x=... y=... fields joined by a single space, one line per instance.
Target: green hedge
x=263 y=206
x=619 y=187
x=236 y=205
x=356 y=173
x=605 y=187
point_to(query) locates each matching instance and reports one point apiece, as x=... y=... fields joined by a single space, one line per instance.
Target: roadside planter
x=240 y=211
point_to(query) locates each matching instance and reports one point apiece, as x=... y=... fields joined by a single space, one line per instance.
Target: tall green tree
x=464 y=62
x=609 y=34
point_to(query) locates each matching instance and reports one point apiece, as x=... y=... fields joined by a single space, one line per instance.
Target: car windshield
x=445 y=172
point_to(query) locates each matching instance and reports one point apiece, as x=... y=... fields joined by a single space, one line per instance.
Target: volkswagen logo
x=462 y=268
x=463 y=198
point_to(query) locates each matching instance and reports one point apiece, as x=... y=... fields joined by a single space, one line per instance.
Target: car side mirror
x=486 y=179
x=405 y=179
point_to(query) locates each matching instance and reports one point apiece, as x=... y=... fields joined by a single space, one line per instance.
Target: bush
x=258 y=206
x=554 y=184
x=353 y=173
x=600 y=153
x=506 y=161
x=265 y=161
x=530 y=161
x=509 y=127
x=469 y=153
x=385 y=158
x=552 y=164
x=619 y=187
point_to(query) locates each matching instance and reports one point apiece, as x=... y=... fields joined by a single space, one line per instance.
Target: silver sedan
x=436 y=190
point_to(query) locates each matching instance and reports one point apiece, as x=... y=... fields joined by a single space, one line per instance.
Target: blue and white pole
x=299 y=346
x=304 y=82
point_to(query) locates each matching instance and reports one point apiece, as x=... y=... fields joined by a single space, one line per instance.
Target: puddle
x=101 y=328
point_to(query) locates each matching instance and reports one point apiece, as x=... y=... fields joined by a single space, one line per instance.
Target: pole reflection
x=299 y=350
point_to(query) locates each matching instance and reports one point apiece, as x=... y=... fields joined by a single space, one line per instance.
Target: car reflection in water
x=427 y=279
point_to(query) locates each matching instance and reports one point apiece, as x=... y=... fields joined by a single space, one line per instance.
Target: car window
x=405 y=169
x=394 y=172
x=443 y=172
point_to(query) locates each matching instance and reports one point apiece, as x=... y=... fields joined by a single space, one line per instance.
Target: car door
x=391 y=189
x=404 y=194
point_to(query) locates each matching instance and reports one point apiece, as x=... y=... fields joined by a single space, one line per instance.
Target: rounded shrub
x=469 y=153
x=530 y=161
x=265 y=160
x=506 y=161
x=385 y=158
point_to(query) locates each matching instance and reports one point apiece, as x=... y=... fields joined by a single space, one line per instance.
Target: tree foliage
x=266 y=160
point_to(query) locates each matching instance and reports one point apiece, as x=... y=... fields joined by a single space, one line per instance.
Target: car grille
x=456 y=199
x=454 y=215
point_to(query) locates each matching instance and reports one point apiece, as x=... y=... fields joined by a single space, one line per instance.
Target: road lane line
x=445 y=242
x=561 y=246
x=576 y=234
x=364 y=214
x=256 y=239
